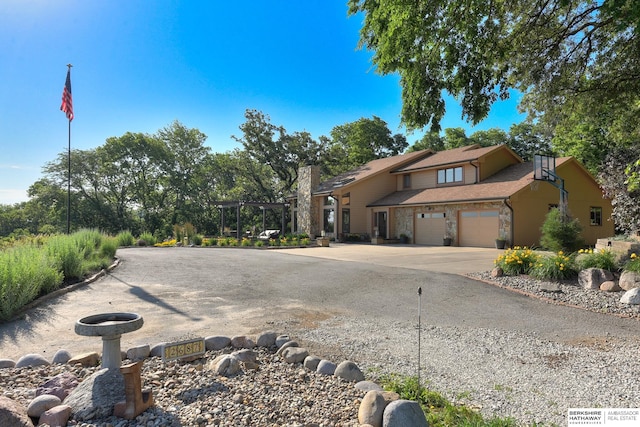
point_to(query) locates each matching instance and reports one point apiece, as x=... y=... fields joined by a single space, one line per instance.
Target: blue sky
x=139 y=65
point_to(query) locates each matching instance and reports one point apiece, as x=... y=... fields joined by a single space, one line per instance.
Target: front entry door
x=381 y=223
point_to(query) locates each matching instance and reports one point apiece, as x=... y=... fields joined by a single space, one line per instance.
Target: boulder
x=7 y=363
x=216 y=342
x=311 y=362
x=592 y=278
x=61 y=357
x=371 y=409
x=242 y=342
x=610 y=286
x=42 y=403
x=56 y=416
x=86 y=359
x=497 y=272
x=61 y=385
x=349 y=371
x=245 y=355
x=141 y=352
x=31 y=360
x=326 y=367
x=225 y=365
x=13 y=414
x=629 y=280
x=96 y=395
x=631 y=297
x=157 y=350
x=402 y=413
x=281 y=339
x=266 y=339
x=294 y=354
x=285 y=346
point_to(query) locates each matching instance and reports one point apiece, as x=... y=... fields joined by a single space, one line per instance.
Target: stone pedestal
x=136 y=400
x=323 y=241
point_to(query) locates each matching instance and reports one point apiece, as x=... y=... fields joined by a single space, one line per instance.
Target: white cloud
x=11 y=196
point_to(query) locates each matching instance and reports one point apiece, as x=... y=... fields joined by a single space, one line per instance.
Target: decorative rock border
x=62 y=397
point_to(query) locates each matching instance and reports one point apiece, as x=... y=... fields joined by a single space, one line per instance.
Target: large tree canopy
x=477 y=50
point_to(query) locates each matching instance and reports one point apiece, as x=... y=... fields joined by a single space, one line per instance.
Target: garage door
x=478 y=228
x=430 y=228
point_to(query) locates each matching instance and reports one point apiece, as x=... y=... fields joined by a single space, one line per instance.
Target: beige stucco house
x=472 y=195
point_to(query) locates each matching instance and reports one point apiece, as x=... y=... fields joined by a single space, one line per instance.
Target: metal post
x=419 y=328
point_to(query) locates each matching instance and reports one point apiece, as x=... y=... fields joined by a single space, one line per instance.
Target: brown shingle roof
x=499 y=186
x=372 y=168
x=455 y=155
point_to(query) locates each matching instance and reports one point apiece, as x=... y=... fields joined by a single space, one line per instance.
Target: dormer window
x=450 y=175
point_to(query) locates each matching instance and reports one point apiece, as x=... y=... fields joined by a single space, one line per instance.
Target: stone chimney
x=308 y=180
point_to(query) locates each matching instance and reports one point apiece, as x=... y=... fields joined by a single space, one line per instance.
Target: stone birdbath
x=110 y=326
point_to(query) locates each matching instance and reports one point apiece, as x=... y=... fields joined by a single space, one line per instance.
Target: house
x=472 y=195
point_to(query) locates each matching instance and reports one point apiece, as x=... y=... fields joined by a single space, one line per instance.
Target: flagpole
x=69 y=179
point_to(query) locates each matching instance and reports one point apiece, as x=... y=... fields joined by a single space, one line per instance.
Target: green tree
x=456 y=138
x=527 y=139
x=487 y=138
x=282 y=153
x=430 y=140
x=477 y=50
x=561 y=232
x=356 y=143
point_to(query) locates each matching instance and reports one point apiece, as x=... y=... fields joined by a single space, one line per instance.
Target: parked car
x=268 y=234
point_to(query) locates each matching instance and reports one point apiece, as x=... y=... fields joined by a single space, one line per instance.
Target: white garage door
x=430 y=228
x=478 y=228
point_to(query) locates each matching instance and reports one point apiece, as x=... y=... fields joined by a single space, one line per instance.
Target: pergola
x=239 y=204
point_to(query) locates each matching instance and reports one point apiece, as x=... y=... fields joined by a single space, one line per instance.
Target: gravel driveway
x=502 y=352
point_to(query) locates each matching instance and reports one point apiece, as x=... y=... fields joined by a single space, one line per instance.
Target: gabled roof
x=499 y=186
x=370 y=169
x=455 y=155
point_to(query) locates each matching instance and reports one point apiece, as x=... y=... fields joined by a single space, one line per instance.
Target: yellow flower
x=560 y=252
x=633 y=255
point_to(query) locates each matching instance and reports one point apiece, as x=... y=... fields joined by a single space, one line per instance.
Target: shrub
x=560 y=233
x=554 y=267
x=197 y=239
x=246 y=242
x=148 y=239
x=605 y=259
x=108 y=247
x=518 y=260
x=68 y=256
x=259 y=243
x=125 y=238
x=633 y=264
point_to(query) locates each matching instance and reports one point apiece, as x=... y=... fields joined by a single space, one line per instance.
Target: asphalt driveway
x=184 y=292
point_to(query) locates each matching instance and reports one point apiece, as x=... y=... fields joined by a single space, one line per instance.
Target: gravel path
x=499 y=372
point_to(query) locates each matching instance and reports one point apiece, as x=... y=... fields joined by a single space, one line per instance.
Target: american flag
x=67 y=102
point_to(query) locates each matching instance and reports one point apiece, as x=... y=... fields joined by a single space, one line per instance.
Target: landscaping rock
x=631 y=297
x=497 y=272
x=61 y=357
x=610 y=286
x=12 y=414
x=245 y=355
x=7 y=363
x=368 y=386
x=225 y=365
x=349 y=371
x=629 y=280
x=403 y=413
x=86 y=359
x=592 y=278
x=61 y=385
x=41 y=404
x=141 y=352
x=326 y=367
x=266 y=339
x=96 y=395
x=295 y=354
x=242 y=342
x=216 y=342
x=56 y=416
x=281 y=339
x=311 y=362
x=285 y=346
x=372 y=408
x=31 y=360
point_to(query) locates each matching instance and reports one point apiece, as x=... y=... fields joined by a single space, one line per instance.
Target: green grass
x=437 y=409
x=34 y=267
